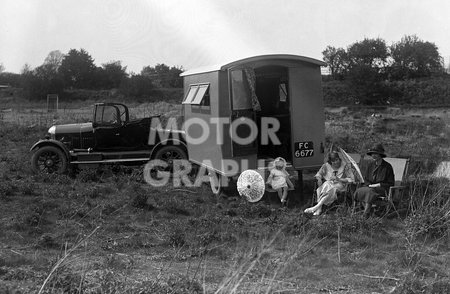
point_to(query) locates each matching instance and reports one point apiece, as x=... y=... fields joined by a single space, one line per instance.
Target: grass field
x=107 y=231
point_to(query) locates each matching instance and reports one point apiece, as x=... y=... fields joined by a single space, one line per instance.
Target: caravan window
x=190 y=95
x=240 y=91
x=198 y=95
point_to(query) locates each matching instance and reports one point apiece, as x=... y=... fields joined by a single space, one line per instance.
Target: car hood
x=73 y=128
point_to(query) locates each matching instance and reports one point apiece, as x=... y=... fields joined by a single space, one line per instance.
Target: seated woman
x=336 y=175
x=379 y=177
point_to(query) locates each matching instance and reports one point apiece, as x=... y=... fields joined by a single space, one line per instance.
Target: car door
x=108 y=128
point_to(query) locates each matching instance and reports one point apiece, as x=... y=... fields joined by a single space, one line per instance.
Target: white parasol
x=250 y=184
x=355 y=168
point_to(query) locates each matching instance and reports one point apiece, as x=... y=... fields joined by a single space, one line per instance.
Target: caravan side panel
x=197 y=122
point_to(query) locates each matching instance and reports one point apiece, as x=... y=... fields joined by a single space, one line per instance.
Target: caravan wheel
x=215 y=182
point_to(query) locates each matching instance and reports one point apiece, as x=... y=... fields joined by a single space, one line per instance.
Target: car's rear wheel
x=169 y=154
x=49 y=159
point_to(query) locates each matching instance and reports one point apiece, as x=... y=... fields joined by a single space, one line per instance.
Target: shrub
x=429 y=210
x=253 y=210
x=7 y=188
x=88 y=175
x=140 y=201
x=183 y=284
x=175 y=206
x=47 y=241
x=425 y=91
x=177 y=238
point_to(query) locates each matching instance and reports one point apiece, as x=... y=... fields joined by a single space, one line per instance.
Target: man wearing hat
x=379 y=177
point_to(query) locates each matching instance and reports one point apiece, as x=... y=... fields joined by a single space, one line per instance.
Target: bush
x=88 y=175
x=177 y=238
x=84 y=95
x=433 y=91
x=429 y=207
x=182 y=284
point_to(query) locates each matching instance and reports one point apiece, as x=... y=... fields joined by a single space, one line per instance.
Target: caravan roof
x=227 y=65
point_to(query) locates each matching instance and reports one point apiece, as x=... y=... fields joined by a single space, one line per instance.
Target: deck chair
x=394 y=197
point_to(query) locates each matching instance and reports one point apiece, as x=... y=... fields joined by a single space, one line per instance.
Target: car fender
x=51 y=142
x=167 y=142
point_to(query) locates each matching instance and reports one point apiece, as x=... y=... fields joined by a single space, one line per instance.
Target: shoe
x=309 y=210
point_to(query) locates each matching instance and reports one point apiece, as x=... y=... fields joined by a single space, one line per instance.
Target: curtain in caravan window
x=251 y=79
x=243 y=89
x=240 y=92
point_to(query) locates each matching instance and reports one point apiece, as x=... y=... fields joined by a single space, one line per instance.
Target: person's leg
x=284 y=196
x=321 y=192
x=280 y=194
x=367 y=208
x=366 y=196
x=317 y=209
x=325 y=199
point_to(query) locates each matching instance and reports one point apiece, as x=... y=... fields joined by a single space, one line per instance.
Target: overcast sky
x=193 y=33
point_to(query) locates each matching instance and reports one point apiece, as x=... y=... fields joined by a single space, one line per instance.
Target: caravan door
x=307 y=116
x=243 y=131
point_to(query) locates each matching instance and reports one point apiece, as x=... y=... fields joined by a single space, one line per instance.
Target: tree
x=2 y=68
x=164 y=76
x=369 y=52
x=11 y=79
x=78 y=69
x=337 y=61
x=26 y=68
x=413 y=58
x=367 y=66
x=54 y=60
x=41 y=81
x=137 y=86
x=111 y=74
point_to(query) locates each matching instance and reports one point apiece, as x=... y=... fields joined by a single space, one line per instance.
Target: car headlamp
x=51 y=133
x=52 y=130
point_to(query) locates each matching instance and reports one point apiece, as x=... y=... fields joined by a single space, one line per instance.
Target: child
x=279 y=179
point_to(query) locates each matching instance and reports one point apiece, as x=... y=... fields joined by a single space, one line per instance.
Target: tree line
x=60 y=73
x=371 y=72
x=366 y=72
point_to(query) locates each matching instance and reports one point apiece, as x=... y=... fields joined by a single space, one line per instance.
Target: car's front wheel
x=49 y=159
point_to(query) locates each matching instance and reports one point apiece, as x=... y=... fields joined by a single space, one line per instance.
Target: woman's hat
x=378 y=149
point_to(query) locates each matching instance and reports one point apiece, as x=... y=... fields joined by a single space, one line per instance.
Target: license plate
x=304 y=149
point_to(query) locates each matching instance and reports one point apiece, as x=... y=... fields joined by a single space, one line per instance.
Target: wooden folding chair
x=394 y=197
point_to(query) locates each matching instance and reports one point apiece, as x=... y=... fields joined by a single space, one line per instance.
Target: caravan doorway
x=272 y=90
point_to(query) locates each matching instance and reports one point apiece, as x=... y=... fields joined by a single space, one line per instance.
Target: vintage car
x=111 y=138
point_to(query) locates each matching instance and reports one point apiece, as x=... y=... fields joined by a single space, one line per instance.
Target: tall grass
x=167 y=240
x=39 y=116
x=429 y=209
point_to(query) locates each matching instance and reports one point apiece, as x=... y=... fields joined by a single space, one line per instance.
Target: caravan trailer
x=242 y=114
